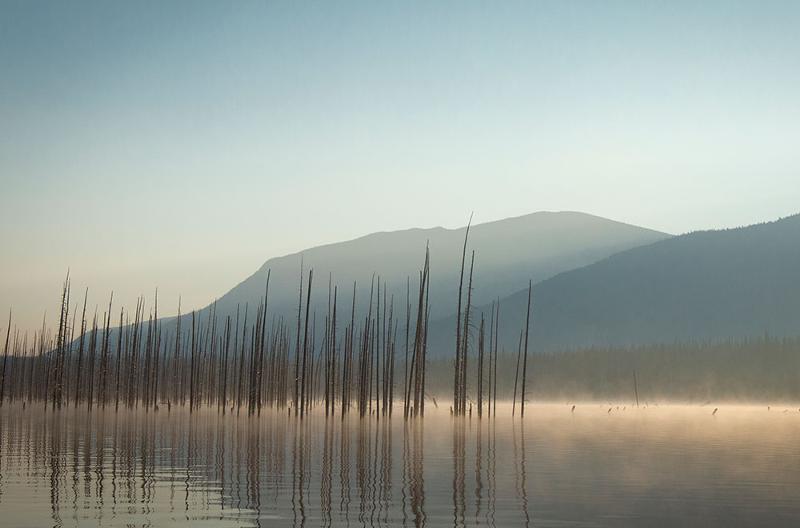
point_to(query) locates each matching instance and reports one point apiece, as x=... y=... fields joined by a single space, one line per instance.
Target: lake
x=595 y=465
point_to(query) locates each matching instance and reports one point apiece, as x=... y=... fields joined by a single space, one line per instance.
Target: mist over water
x=594 y=465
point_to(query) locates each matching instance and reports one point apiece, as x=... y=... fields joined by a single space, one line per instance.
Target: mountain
x=507 y=254
x=702 y=286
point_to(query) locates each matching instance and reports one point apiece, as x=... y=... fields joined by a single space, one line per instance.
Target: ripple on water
x=657 y=466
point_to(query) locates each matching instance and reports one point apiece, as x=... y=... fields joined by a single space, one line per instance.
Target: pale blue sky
x=180 y=144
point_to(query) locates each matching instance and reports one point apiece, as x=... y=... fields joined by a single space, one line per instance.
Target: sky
x=178 y=145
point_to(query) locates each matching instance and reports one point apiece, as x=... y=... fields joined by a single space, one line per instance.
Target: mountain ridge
x=701 y=286
x=537 y=245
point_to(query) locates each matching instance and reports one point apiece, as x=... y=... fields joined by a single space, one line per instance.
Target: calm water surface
x=654 y=466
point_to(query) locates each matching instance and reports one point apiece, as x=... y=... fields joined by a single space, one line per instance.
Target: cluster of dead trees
x=461 y=405
x=245 y=362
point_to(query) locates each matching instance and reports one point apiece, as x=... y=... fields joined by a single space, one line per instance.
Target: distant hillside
x=708 y=285
x=508 y=253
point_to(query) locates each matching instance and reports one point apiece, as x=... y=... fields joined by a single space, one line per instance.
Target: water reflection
x=656 y=467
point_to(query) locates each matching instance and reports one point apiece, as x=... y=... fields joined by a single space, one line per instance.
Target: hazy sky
x=181 y=144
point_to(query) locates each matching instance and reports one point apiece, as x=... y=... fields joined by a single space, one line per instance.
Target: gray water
x=598 y=465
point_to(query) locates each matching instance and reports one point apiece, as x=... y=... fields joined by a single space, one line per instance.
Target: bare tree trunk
x=516 y=376
x=525 y=361
x=457 y=365
x=480 y=369
x=5 y=362
x=305 y=347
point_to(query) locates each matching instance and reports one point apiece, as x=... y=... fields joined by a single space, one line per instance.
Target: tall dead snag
x=412 y=368
x=243 y=380
x=238 y=354
x=304 y=370
x=251 y=371
x=525 y=360
x=312 y=377
x=132 y=377
x=393 y=359
x=480 y=369
x=257 y=358
x=491 y=341
x=92 y=354
x=334 y=348
x=65 y=344
x=105 y=352
x=68 y=360
x=78 y=370
x=347 y=367
x=5 y=361
x=462 y=404
x=61 y=344
x=326 y=351
x=120 y=354
x=392 y=337
x=496 y=339
x=296 y=400
x=201 y=359
x=192 y=365
x=148 y=365
x=264 y=337
x=242 y=354
x=457 y=365
x=223 y=401
x=416 y=371
x=424 y=361
x=364 y=355
x=383 y=355
x=375 y=356
x=330 y=354
x=176 y=356
x=516 y=376
x=408 y=327
x=205 y=358
x=156 y=370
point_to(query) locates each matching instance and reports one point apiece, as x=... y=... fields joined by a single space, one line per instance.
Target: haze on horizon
x=179 y=145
